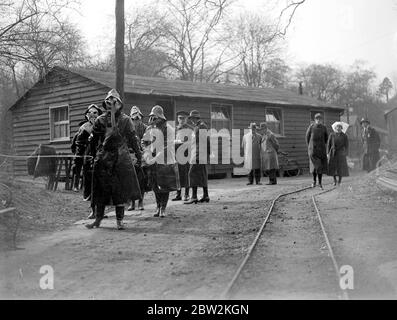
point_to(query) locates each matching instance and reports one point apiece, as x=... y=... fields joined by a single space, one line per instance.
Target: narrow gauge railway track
x=232 y=289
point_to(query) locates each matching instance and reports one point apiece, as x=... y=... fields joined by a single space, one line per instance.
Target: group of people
x=120 y=159
x=119 y=156
x=327 y=152
x=260 y=147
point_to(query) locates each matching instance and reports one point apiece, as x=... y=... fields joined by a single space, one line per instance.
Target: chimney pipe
x=300 y=88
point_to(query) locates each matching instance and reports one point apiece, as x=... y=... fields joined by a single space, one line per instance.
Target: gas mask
x=112 y=101
x=92 y=114
x=154 y=121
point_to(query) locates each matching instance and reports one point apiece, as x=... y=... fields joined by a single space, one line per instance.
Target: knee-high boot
x=120 y=217
x=99 y=213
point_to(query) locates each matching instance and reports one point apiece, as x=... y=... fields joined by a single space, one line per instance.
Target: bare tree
x=323 y=82
x=190 y=47
x=146 y=33
x=256 y=48
x=385 y=88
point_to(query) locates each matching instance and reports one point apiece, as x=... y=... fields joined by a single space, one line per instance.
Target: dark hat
x=112 y=93
x=318 y=116
x=365 y=120
x=195 y=114
x=182 y=114
x=93 y=106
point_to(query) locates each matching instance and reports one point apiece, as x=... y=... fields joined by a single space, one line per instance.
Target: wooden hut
x=49 y=113
x=391 y=120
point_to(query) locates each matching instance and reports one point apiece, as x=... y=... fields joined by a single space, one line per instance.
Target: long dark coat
x=371 y=145
x=183 y=168
x=163 y=177
x=198 y=173
x=316 y=139
x=115 y=181
x=337 y=150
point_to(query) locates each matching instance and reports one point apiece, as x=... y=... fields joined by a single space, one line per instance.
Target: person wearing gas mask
x=114 y=178
x=159 y=155
x=80 y=142
x=140 y=128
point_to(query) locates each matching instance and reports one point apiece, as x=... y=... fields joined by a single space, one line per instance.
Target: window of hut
x=221 y=116
x=274 y=120
x=59 y=123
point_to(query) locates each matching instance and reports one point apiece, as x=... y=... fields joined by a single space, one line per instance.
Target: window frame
x=229 y=105
x=53 y=123
x=282 y=134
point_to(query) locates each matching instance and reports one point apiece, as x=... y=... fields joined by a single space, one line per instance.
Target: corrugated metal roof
x=180 y=88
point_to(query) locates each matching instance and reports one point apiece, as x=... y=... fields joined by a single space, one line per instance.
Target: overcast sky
x=334 y=31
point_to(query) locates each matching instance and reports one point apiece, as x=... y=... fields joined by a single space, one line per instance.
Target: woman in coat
x=114 y=178
x=160 y=157
x=316 y=139
x=269 y=149
x=337 y=150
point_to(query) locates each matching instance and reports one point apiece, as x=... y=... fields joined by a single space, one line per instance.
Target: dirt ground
x=194 y=252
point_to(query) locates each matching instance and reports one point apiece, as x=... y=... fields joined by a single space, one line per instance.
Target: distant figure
x=269 y=148
x=337 y=150
x=252 y=154
x=371 y=144
x=316 y=139
x=198 y=172
x=183 y=168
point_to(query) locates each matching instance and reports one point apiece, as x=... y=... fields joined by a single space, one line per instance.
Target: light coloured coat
x=269 y=150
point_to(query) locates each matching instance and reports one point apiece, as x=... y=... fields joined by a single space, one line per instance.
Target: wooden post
x=120 y=31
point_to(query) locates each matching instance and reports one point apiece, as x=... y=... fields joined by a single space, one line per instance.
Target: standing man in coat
x=251 y=145
x=183 y=168
x=139 y=128
x=316 y=139
x=198 y=172
x=114 y=178
x=371 y=144
x=270 y=147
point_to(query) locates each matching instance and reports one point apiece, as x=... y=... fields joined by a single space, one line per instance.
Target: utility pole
x=120 y=31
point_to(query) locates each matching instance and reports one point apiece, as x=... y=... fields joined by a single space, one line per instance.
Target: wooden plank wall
x=30 y=122
x=392 y=128
x=31 y=117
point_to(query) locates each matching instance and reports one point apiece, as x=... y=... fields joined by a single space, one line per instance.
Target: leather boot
x=157 y=214
x=140 y=205
x=132 y=206
x=162 y=212
x=120 y=217
x=100 y=212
